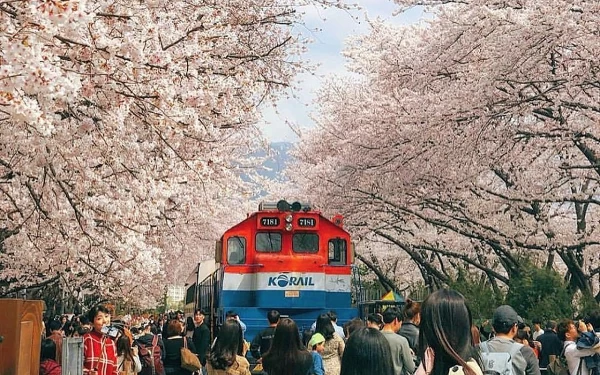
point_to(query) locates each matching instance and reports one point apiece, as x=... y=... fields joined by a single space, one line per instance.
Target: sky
x=334 y=26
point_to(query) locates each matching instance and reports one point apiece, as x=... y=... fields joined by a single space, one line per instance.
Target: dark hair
x=367 y=352
x=375 y=318
x=411 y=309
x=537 y=321
x=551 y=324
x=391 y=313
x=324 y=326
x=306 y=336
x=352 y=325
x=124 y=348
x=199 y=312
x=231 y=314
x=446 y=328
x=273 y=316
x=48 y=350
x=54 y=325
x=91 y=315
x=175 y=328
x=332 y=315
x=286 y=350
x=228 y=344
x=563 y=328
x=83 y=319
x=189 y=324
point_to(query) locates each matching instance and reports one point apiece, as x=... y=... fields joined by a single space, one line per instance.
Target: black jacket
x=551 y=344
x=262 y=342
x=201 y=339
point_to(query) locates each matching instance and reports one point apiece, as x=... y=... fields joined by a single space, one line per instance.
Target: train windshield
x=305 y=243
x=268 y=242
x=236 y=250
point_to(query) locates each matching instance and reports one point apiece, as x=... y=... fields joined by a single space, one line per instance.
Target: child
x=317 y=345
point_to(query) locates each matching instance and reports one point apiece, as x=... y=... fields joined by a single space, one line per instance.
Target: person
x=317 y=345
x=227 y=353
x=149 y=343
x=402 y=357
x=367 y=353
x=334 y=345
x=551 y=344
x=375 y=321
x=262 y=342
x=48 y=363
x=201 y=337
x=99 y=350
x=505 y=323
x=445 y=339
x=287 y=356
x=411 y=314
x=333 y=316
x=173 y=344
x=128 y=361
x=352 y=325
x=523 y=336
x=56 y=334
x=568 y=332
x=537 y=329
x=233 y=315
x=189 y=327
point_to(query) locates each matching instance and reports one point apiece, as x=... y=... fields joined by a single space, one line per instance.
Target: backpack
x=150 y=358
x=498 y=363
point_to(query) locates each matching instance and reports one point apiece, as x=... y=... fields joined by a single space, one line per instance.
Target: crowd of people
x=435 y=337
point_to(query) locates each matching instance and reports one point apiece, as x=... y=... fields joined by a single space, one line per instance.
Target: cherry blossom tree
x=471 y=138
x=124 y=129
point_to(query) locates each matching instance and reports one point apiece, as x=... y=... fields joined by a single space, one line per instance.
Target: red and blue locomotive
x=286 y=257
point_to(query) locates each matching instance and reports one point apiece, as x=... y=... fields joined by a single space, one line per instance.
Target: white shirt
x=574 y=356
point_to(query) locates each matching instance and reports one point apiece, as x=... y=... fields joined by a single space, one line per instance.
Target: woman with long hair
x=128 y=360
x=227 y=353
x=334 y=345
x=287 y=356
x=175 y=341
x=367 y=352
x=445 y=339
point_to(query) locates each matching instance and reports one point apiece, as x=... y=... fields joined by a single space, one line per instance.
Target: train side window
x=305 y=243
x=337 y=251
x=268 y=242
x=236 y=250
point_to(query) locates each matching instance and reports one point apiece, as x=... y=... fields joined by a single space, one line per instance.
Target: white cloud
x=328 y=28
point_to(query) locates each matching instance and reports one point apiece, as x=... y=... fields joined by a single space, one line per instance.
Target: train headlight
x=288 y=226
x=288 y=219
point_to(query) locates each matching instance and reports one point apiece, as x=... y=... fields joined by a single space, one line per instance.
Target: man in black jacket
x=551 y=344
x=262 y=342
x=201 y=337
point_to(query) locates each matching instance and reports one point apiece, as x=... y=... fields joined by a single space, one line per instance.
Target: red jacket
x=50 y=367
x=99 y=353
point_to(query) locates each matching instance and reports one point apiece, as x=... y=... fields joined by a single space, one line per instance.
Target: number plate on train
x=292 y=293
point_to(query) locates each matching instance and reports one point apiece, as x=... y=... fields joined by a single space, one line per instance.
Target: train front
x=290 y=258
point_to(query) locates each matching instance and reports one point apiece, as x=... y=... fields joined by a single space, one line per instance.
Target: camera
x=110 y=331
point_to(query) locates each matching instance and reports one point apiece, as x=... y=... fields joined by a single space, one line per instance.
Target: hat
x=506 y=315
x=317 y=338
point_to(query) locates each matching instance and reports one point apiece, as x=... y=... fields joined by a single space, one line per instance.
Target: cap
x=317 y=338
x=506 y=315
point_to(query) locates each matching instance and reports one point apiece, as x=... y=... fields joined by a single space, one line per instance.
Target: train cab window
x=305 y=243
x=268 y=242
x=337 y=251
x=236 y=250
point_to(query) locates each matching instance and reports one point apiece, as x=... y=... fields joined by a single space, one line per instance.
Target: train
x=285 y=256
